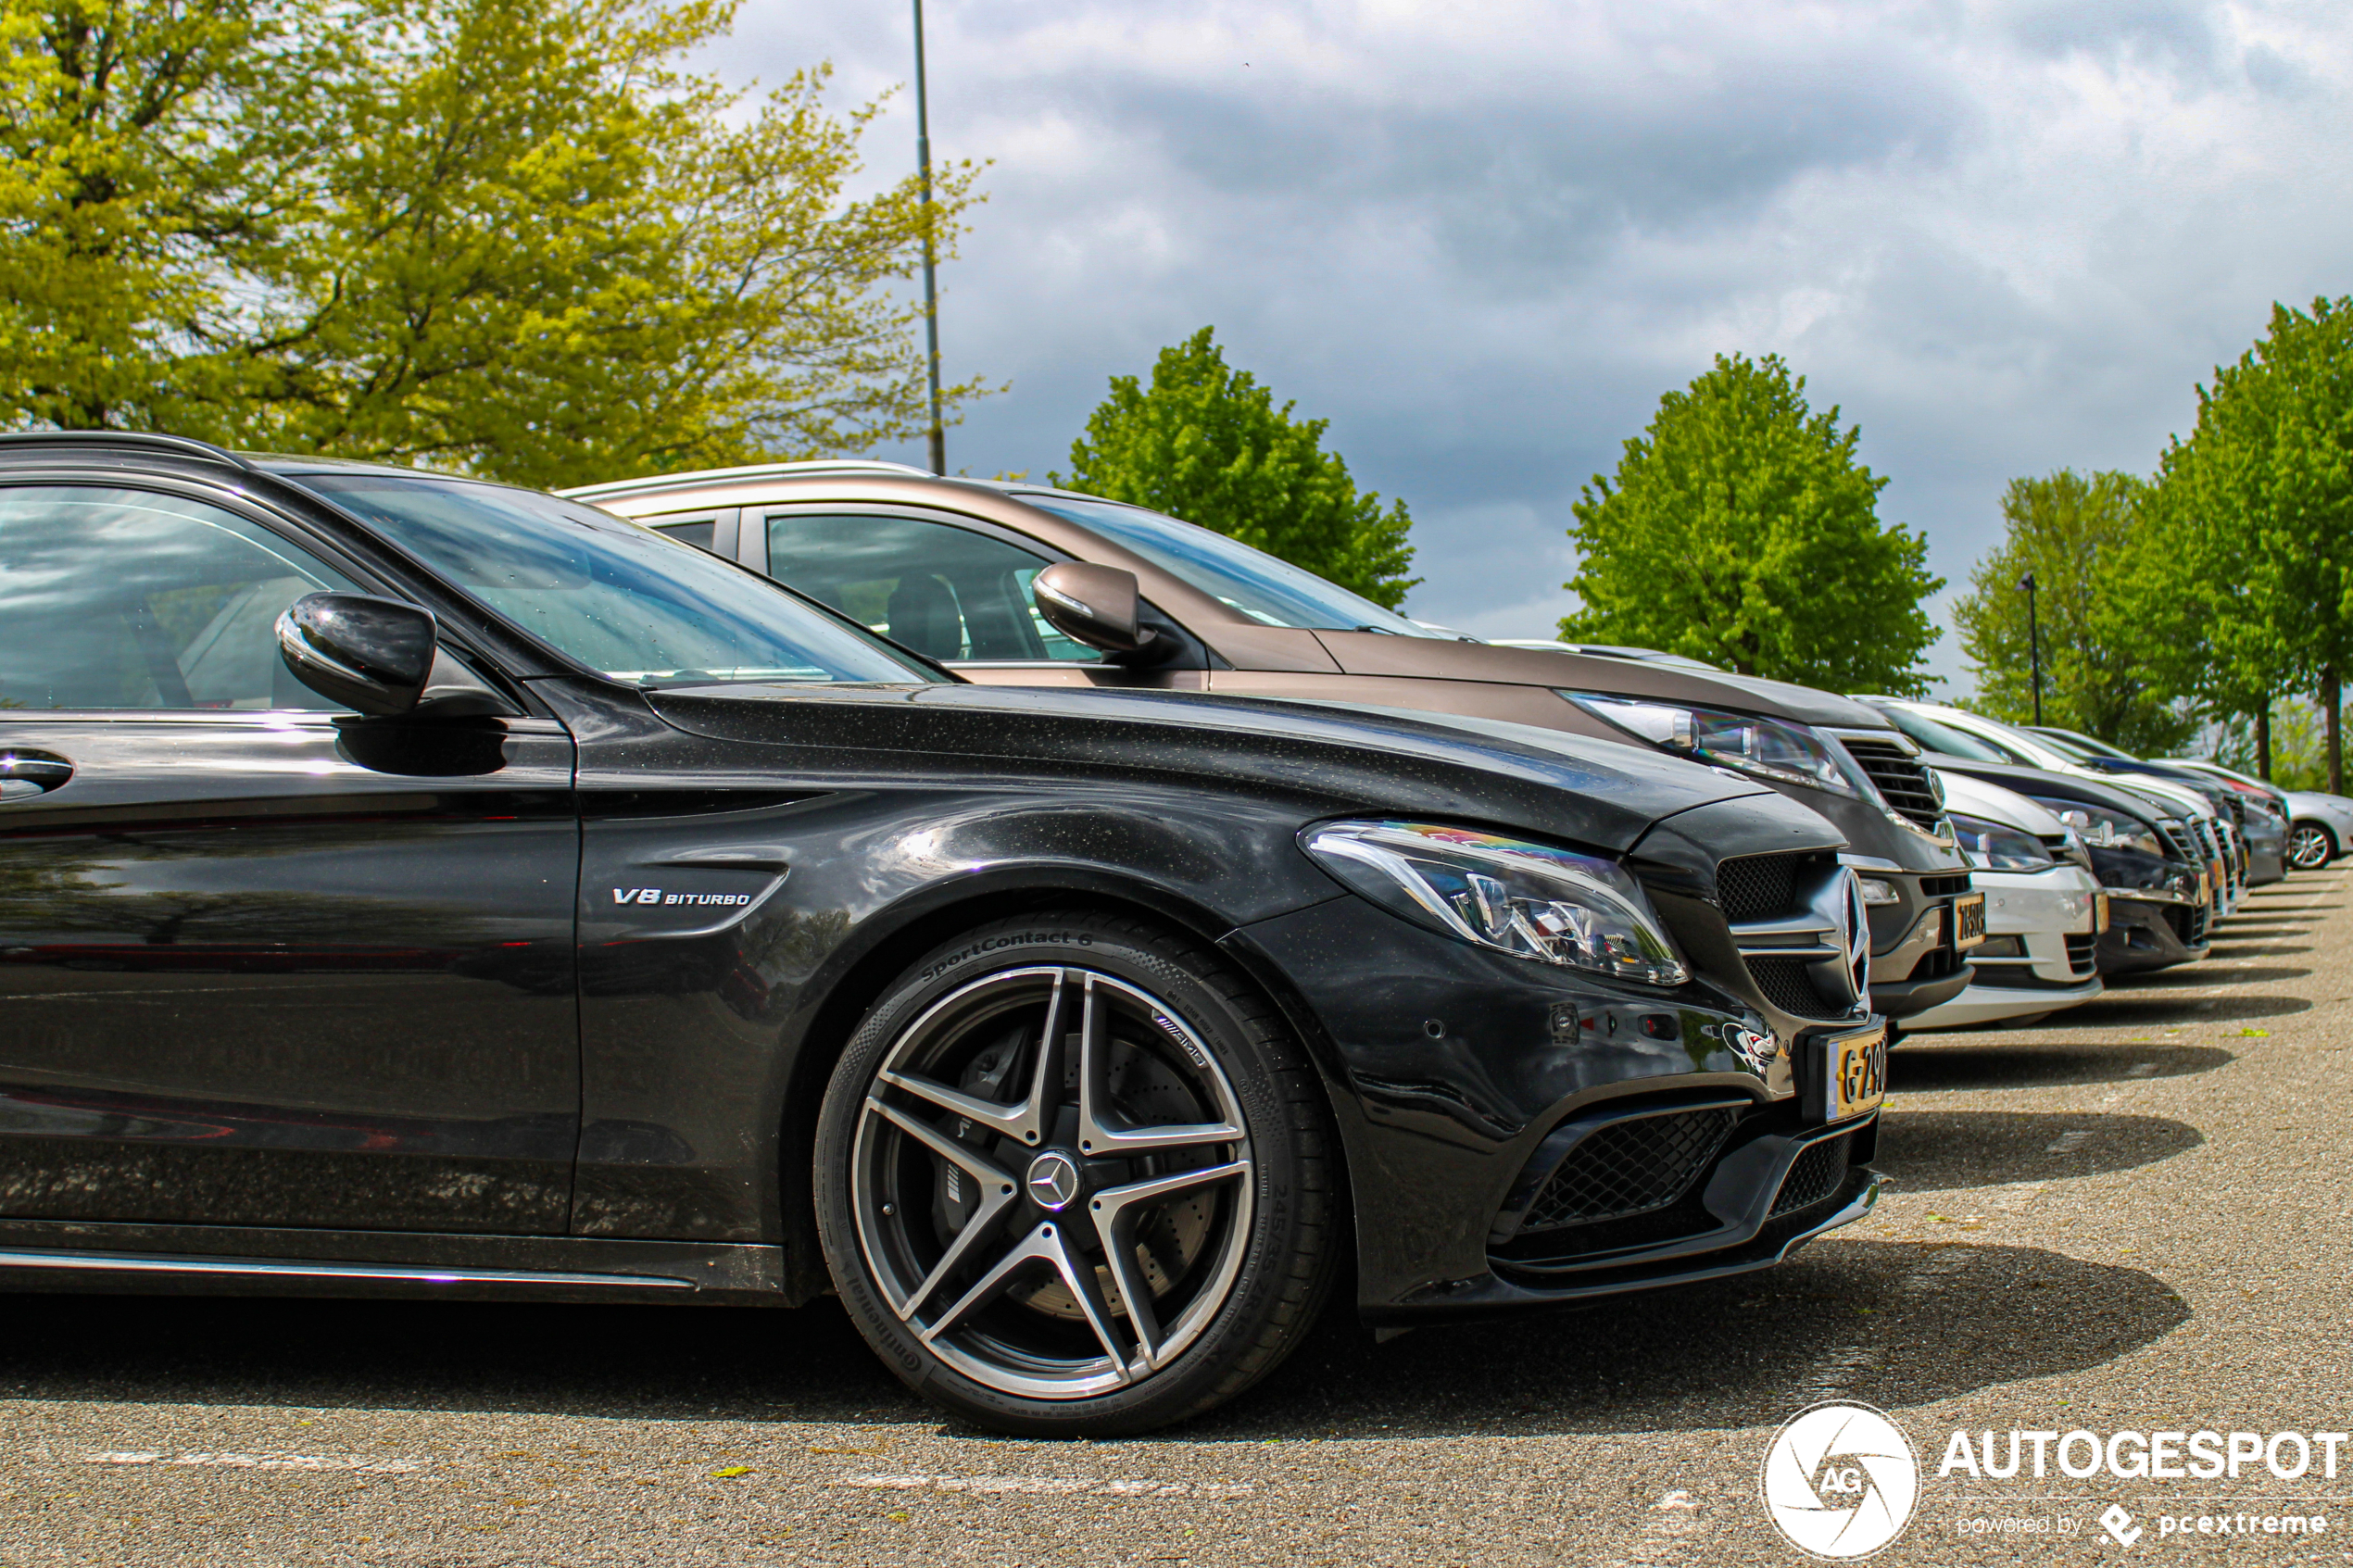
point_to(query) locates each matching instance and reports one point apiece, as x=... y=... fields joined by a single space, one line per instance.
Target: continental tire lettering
x=998 y=944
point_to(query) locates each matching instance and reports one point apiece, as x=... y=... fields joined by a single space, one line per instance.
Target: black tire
x=2311 y=846
x=1233 y=1271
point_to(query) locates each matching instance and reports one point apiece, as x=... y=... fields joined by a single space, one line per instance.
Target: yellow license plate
x=1968 y=921
x=1857 y=1072
x=2099 y=913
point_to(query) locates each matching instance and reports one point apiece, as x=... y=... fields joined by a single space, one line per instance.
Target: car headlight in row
x=1767 y=748
x=2103 y=829
x=1531 y=900
x=1997 y=847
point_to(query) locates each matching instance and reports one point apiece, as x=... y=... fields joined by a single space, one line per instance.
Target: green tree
x=2076 y=534
x=518 y=237
x=1740 y=529
x=1206 y=444
x=2255 y=507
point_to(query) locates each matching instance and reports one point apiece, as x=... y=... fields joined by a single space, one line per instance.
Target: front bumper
x=1449 y=1066
x=2040 y=953
x=2143 y=935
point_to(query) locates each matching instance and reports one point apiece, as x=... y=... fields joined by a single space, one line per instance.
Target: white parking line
x=258 y=1462
x=1064 y=1484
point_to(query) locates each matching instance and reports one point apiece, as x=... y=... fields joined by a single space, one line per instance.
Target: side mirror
x=1094 y=605
x=370 y=654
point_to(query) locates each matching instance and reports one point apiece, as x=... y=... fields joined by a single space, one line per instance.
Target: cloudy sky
x=1481 y=239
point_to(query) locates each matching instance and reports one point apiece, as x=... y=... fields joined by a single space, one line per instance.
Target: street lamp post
x=931 y=290
x=2034 y=641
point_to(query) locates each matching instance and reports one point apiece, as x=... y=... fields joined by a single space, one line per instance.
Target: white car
x=2044 y=910
x=2319 y=828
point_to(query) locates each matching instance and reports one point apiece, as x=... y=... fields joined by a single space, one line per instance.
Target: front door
x=261 y=963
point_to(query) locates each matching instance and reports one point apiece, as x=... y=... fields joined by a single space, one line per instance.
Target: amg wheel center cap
x=1053 y=1180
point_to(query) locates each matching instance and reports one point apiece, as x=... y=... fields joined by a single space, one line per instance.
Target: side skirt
x=223 y=1260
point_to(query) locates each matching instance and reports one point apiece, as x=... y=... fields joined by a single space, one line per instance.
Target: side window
x=941 y=590
x=697 y=534
x=127 y=598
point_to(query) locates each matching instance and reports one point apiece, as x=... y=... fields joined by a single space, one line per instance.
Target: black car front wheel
x=2311 y=846
x=1072 y=1177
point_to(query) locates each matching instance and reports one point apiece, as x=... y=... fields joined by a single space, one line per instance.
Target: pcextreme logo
x=1839 y=1481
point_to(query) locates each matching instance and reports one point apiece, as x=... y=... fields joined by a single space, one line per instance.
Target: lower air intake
x=1814 y=1177
x=1629 y=1168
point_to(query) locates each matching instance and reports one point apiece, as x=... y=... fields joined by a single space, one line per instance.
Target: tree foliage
x=1740 y=529
x=2080 y=536
x=1206 y=444
x=2245 y=581
x=513 y=236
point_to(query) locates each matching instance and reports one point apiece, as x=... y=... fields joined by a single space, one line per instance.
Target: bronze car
x=1014 y=584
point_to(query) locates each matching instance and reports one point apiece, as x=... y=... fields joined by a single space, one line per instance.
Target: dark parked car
x=2257 y=814
x=1019 y=584
x=2159 y=893
x=418 y=885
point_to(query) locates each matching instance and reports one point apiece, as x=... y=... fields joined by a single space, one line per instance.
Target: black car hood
x=1334 y=757
x=1362 y=653
x=2053 y=787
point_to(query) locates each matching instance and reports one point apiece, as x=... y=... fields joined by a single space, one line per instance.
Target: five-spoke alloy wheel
x=1044 y=1179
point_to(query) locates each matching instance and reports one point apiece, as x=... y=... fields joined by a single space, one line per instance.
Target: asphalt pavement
x=2133 y=1219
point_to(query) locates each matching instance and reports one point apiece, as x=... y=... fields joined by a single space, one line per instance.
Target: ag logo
x=1839 y=1481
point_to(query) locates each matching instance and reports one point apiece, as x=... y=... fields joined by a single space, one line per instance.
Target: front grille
x=1814 y=1177
x=1758 y=886
x=2189 y=923
x=1629 y=1167
x=1901 y=779
x=1938 y=886
x=2177 y=845
x=1786 y=984
x=2083 y=952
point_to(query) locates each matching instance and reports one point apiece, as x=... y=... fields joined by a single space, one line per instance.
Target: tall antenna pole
x=931 y=289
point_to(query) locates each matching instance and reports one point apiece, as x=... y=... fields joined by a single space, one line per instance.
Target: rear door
x=261 y=963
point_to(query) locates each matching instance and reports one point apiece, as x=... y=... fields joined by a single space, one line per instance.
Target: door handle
x=24 y=774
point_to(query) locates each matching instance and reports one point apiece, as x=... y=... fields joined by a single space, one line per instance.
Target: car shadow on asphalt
x=1943 y=1151
x=1921 y=1066
x=1845 y=1316
x=1847 y=1319
x=2123 y=1009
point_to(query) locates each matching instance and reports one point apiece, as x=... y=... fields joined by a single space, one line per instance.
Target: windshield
x=629 y=603
x=1929 y=735
x=1272 y=591
x=2085 y=743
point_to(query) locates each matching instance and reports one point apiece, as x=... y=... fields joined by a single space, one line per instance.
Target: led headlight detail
x=1765 y=748
x=1997 y=847
x=1531 y=900
x=2102 y=829
x=1878 y=890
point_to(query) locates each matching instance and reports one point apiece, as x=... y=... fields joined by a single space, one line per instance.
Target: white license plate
x=1856 y=1072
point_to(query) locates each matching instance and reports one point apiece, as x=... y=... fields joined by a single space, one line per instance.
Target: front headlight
x=2103 y=829
x=1531 y=900
x=1767 y=748
x=2000 y=849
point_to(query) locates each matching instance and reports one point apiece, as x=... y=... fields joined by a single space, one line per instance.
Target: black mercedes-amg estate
x=411 y=884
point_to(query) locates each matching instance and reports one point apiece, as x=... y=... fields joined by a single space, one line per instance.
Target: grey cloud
x=1485 y=273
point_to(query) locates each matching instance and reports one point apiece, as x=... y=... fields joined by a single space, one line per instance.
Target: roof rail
x=755 y=470
x=186 y=445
